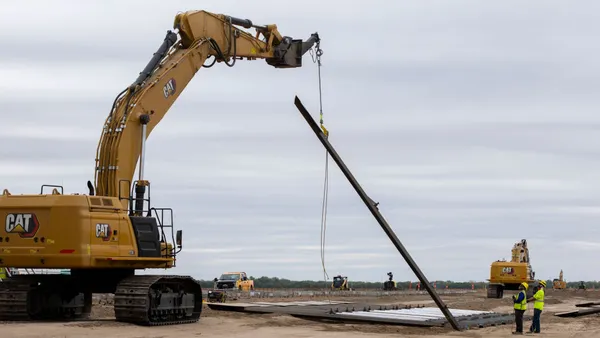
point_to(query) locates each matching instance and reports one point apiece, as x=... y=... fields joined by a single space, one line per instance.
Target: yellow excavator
x=509 y=275
x=107 y=234
x=560 y=283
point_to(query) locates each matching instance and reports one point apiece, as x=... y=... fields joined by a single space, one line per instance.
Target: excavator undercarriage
x=39 y=297
x=142 y=299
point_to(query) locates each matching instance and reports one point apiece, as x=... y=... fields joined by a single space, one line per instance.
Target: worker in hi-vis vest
x=538 y=307
x=520 y=305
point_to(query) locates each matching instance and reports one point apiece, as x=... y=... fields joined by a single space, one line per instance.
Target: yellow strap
x=325 y=131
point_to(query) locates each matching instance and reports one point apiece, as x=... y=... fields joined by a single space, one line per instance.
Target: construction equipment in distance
x=104 y=236
x=229 y=281
x=390 y=284
x=509 y=275
x=340 y=283
x=560 y=283
x=234 y=280
x=215 y=295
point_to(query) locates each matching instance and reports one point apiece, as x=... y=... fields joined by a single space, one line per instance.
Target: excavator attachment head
x=288 y=54
x=229 y=41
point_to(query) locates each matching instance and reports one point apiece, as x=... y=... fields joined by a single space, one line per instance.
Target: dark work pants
x=519 y=320
x=535 y=324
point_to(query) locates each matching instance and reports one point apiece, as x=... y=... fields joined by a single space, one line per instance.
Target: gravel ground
x=238 y=325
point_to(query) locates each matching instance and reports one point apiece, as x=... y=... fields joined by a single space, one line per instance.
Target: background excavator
x=559 y=283
x=390 y=284
x=340 y=283
x=509 y=275
x=104 y=236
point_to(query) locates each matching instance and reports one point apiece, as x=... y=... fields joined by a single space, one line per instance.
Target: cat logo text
x=25 y=225
x=103 y=231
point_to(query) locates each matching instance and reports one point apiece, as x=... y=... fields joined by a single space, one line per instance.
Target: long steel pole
x=372 y=206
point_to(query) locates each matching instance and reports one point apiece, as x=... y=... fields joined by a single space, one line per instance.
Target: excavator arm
x=198 y=36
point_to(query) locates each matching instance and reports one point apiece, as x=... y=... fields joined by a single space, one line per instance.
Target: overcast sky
x=474 y=124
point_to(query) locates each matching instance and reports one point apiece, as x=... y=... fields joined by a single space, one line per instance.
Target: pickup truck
x=234 y=280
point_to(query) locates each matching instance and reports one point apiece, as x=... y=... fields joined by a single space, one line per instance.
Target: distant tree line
x=588 y=284
x=282 y=283
x=575 y=285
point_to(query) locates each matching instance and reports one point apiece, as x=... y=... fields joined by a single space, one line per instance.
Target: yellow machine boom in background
x=103 y=237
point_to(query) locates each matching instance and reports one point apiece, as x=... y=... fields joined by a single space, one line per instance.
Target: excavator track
x=13 y=300
x=153 y=300
x=39 y=297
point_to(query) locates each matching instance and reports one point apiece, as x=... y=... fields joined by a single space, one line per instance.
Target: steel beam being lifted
x=372 y=206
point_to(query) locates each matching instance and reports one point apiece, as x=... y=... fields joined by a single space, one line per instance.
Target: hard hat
x=525 y=285
x=543 y=283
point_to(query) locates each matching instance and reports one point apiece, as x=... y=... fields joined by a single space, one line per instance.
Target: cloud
x=474 y=125
x=16 y=169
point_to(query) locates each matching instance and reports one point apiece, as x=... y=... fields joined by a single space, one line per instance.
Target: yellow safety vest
x=539 y=300
x=2 y=273
x=523 y=304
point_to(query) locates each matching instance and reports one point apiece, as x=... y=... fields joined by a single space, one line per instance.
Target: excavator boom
x=140 y=107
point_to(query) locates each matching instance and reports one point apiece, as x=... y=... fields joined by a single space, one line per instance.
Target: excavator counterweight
x=104 y=236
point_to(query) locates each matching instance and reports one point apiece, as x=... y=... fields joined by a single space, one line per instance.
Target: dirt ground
x=239 y=325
